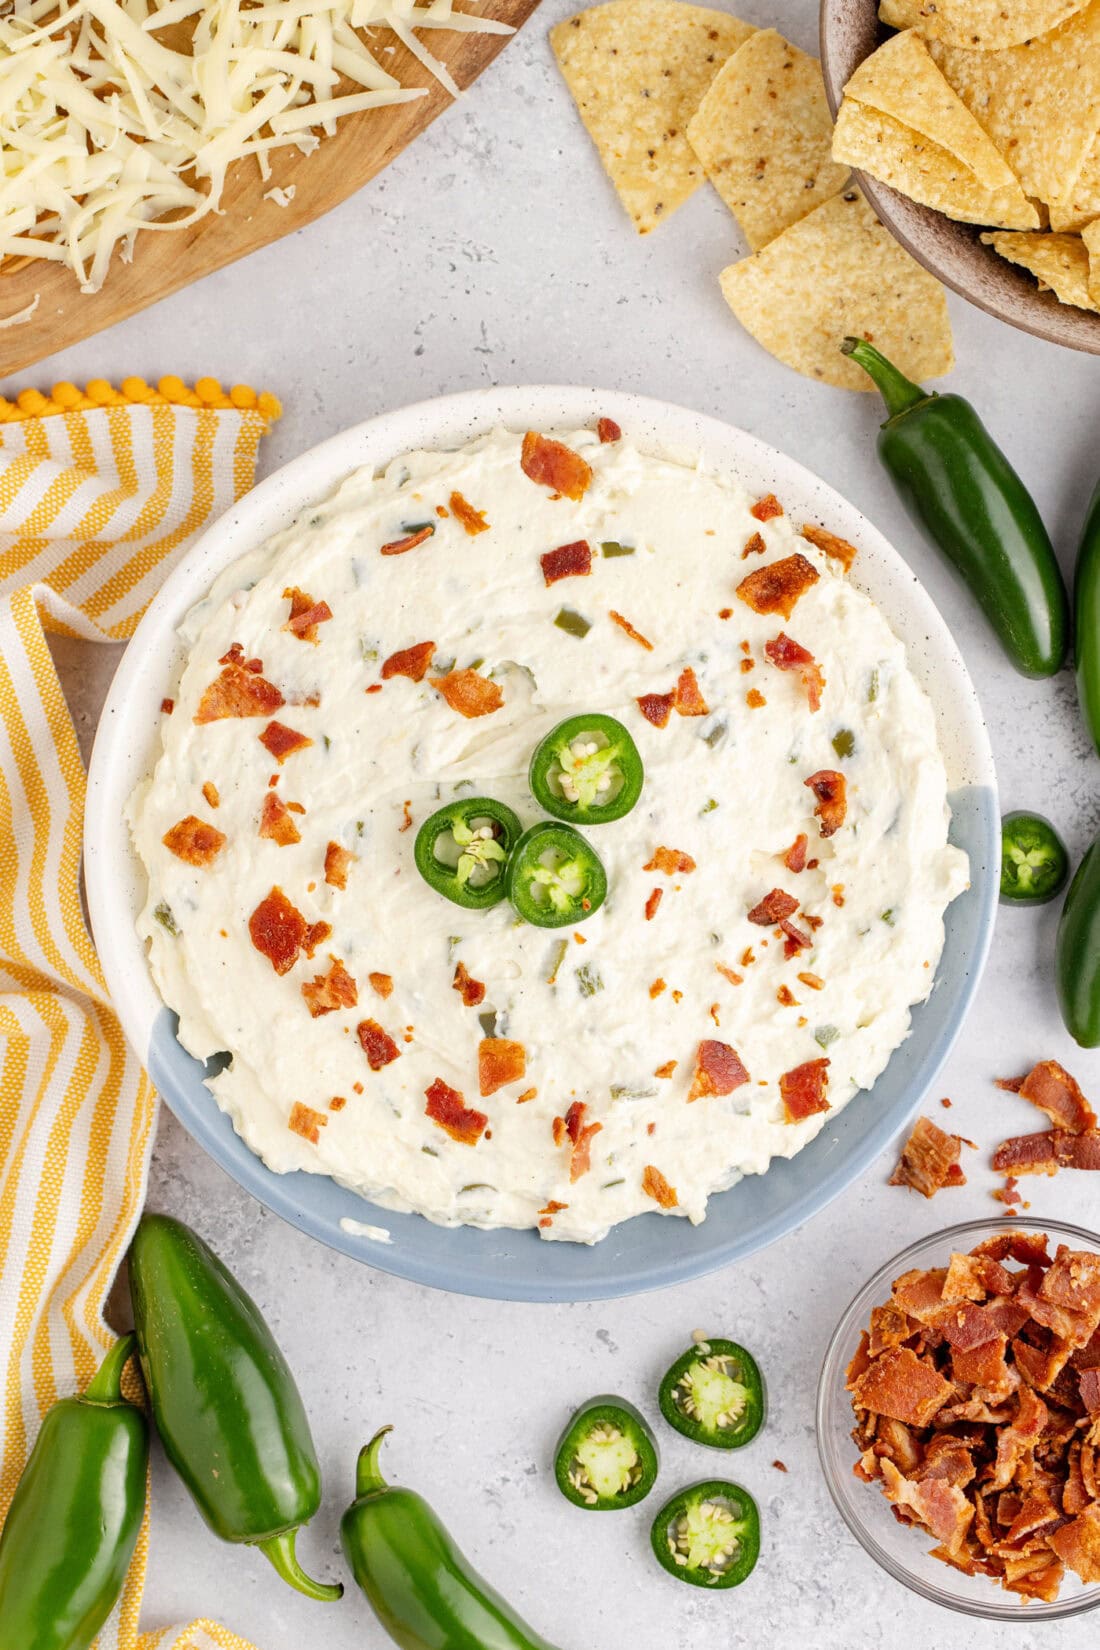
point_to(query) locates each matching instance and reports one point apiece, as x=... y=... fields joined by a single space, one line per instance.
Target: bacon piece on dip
x=766 y=508
x=831 y=790
x=778 y=587
x=238 y=692
x=398 y=547
x=795 y=857
x=472 y=520
x=608 y=430
x=277 y=822
x=194 y=841
x=773 y=908
x=447 y=1107
x=802 y=1090
x=328 y=992
x=554 y=465
x=568 y=561
x=278 y=930
x=412 y=662
x=718 y=1070
x=337 y=861
x=655 y=1185
x=499 y=1062
x=656 y=708
x=305 y=1121
x=837 y=548
x=469 y=693
x=470 y=990
x=377 y=1044
x=305 y=615
x=281 y=741
x=581 y=1136
x=787 y=654
x=672 y=861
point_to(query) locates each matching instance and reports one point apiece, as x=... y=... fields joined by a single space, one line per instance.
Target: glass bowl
x=901 y=1550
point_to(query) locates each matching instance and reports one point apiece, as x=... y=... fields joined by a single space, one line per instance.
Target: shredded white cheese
x=118 y=116
x=22 y=315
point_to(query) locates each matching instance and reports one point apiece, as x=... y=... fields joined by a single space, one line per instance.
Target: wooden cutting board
x=363 y=145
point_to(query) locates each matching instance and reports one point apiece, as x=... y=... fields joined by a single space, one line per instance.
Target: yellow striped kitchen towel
x=100 y=492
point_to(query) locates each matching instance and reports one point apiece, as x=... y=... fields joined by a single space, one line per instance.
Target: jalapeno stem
x=280 y=1550
x=105 y=1386
x=368 y=1474
x=898 y=392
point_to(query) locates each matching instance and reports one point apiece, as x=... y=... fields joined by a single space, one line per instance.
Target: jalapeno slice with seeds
x=555 y=877
x=587 y=770
x=708 y=1535
x=462 y=850
x=1034 y=861
x=607 y=1456
x=714 y=1395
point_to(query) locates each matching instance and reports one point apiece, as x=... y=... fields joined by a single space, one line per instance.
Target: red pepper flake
x=773 y=908
x=337 y=1103
x=305 y=615
x=672 y=861
x=839 y=549
x=447 y=1107
x=210 y=795
x=305 y=1121
x=472 y=520
x=831 y=790
x=280 y=741
x=803 y=1090
x=608 y=430
x=794 y=939
x=657 y=987
x=687 y=699
x=568 y=561
x=381 y=983
x=398 y=547
x=718 y=1070
x=635 y=635
x=755 y=699
x=667 y=1069
x=168 y=706
x=528 y=1094
x=766 y=508
x=814 y=982
x=778 y=587
x=337 y=860
x=729 y=974
x=787 y=997
x=378 y=1046
x=554 y=465
x=652 y=903
x=412 y=662
x=468 y=693
x=655 y=1185
x=656 y=708
x=581 y=1135
x=194 y=841
x=238 y=692
x=499 y=1062
x=470 y=990
x=330 y=991
x=787 y=654
x=795 y=857
x=277 y=929
x=754 y=546
x=277 y=822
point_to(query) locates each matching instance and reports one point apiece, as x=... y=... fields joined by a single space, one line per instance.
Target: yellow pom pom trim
x=170 y=391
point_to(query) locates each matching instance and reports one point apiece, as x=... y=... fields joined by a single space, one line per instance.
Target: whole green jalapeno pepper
x=1086 y=620
x=73 y=1523
x=419 y=1585
x=224 y=1401
x=1077 y=953
x=965 y=496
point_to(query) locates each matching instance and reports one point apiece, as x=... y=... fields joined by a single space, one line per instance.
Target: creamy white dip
x=726 y=788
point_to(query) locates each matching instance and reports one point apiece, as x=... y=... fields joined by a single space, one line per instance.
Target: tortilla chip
x=986 y=25
x=638 y=70
x=902 y=81
x=1060 y=263
x=1082 y=204
x=1091 y=239
x=835 y=273
x=1039 y=102
x=763 y=132
x=882 y=146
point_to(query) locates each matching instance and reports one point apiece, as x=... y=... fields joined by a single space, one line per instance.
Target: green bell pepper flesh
x=1034 y=861
x=418 y=1583
x=462 y=849
x=555 y=877
x=606 y=1458
x=224 y=1401
x=75 y=1517
x=587 y=770
x=1077 y=953
x=961 y=491
x=708 y=1535
x=714 y=1394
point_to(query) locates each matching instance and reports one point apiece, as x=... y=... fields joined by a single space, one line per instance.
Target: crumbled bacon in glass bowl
x=958 y=1421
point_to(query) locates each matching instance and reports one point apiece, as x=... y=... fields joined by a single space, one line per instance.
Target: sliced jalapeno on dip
x=461 y=850
x=708 y=1535
x=587 y=770
x=714 y=1395
x=555 y=877
x=607 y=1456
x=1034 y=861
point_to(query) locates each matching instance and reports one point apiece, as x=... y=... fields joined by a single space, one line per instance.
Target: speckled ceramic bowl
x=650 y=1251
x=953 y=252
x=902 y=1551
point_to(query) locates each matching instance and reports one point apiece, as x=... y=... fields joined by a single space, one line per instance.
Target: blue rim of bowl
x=1035 y=1612
x=554 y=1274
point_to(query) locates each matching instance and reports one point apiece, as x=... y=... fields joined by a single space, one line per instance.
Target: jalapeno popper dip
x=762 y=916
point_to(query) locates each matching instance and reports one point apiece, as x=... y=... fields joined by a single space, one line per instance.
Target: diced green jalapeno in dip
x=708 y=1535
x=555 y=877
x=461 y=850
x=574 y=624
x=587 y=770
x=1034 y=861
x=714 y=1394
x=606 y=1458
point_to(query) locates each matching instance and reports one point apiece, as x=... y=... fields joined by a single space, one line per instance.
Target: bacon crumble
x=802 y=1090
x=778 y=587
x=382 y=984
x=773 y=908
x=337 y=861
x=210 y=795
x=377 y=1044
x=787 y=654
x=754 y=546
x=194 y=841
x=305 y=1121
x=472 y=520
x=447 y=1107
x=469 y=693
x=687 y=700
x=766 y=508
x=580 y=1135
x=655 y=1185
x=553 y=465
x=837 y=548
x=1049 y=1086
x=652 y=903
x=331 y=991
x=412 y=662
x=277 y=821
x=831 y=790
x=755 y=699
x=929 y=1160
x=568 y=561
x=278 y=930
x=398 y=547
x=672 y=861
x=795 y=857
x=280 y=741
x=305 y=615
x=470 y=990
x=238 y=692
x=608 y=430
x=718 y=1070
x=625 y=625
x=656 y=708
x=499 y=1062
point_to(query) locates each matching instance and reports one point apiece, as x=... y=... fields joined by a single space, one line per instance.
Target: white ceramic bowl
x=649 y=1251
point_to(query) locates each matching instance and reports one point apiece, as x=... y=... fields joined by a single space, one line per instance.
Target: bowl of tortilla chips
x=974 y=130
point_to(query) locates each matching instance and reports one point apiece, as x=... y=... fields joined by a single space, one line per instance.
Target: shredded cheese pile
x=116 y=113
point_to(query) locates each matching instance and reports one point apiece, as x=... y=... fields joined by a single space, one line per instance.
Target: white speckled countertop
x=494 y=251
